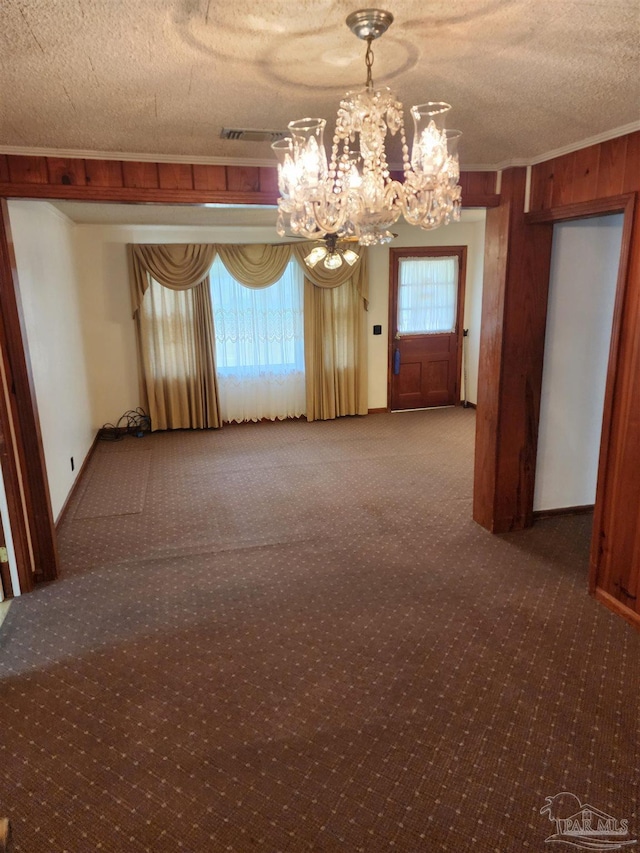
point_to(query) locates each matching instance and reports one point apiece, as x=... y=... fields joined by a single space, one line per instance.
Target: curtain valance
x=255 y=264
x=180 y=266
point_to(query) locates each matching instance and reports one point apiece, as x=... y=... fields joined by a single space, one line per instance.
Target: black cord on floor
x=134 y=422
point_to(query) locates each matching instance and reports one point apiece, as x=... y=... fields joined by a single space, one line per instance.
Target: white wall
x=469 y=232
x=584 y=268
x=49 y=289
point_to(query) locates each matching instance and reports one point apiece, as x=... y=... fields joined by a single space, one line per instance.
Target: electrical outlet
x=72 y=464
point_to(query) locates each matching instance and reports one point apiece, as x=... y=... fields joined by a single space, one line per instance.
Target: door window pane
x=427 y=295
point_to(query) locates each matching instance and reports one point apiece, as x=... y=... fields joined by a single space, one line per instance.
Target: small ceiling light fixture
x=352 y=193
x=331 y=253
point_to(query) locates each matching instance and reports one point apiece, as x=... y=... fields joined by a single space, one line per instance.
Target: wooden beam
x=514 y=311
x=134 y=195
x=171 y=183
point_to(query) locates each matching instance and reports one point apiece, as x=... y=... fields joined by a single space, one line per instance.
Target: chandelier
x=331 y=254
x=351 y=193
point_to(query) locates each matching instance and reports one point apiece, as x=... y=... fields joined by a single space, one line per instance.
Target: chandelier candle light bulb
x=352 y=193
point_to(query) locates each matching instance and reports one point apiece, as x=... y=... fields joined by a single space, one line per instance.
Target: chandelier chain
x=368 y=58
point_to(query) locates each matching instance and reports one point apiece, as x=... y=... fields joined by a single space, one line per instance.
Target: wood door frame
x=6 y=581
x=426 y=252
x=624 y=204
x=21 y=448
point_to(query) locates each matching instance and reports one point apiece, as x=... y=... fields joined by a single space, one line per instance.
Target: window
x=427 y=295
x=259 y=345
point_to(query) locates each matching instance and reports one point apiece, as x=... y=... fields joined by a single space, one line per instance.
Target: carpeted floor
x=292 y=637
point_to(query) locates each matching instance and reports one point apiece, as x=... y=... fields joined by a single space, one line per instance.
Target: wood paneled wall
x=611 y=168
x=123 y=180
x=514 y=310
x=479 y=189
x=594 y=175
x=598 y=179
x=169 y=183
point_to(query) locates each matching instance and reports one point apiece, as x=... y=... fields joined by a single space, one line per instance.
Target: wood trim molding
x=610 y=389
x=581 y=210
x=134 y=195
x=6 y=581
x=379 y=411
x=12 y=473
x=615 y=557
x=617 y=607
x=585 y=509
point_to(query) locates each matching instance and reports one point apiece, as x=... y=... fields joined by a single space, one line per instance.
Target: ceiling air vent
x=246 y=134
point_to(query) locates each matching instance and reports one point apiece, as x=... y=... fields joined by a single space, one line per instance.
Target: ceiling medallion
x=351 y=193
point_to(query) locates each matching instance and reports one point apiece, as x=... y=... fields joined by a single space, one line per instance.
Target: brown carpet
x=97 y=496
x=303 y=643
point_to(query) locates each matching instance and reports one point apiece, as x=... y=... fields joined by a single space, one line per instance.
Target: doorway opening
x=585 y=261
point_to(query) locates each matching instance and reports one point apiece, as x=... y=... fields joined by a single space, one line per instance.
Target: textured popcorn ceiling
x=162 y=77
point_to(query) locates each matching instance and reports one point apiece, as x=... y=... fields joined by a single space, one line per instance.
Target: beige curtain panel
x=177 y=348
x=177 y=339
x=335 y=347
x=174 y=321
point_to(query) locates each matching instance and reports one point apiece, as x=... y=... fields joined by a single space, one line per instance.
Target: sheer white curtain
x=259 y=336
x=427 y=295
